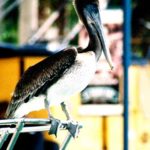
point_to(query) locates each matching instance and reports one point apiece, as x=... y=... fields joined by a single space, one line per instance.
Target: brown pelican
x=56 y=78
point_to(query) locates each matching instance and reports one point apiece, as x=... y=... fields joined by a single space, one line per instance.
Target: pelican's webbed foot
x=55 y=125
x=74 y=128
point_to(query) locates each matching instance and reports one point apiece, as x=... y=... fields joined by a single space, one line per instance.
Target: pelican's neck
x=83 y=10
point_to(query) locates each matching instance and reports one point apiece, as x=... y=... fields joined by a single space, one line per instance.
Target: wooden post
x=28 y=21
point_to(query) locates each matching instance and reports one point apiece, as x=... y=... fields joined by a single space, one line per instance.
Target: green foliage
x=9 y=25
x=71 y=16
x=9 y=33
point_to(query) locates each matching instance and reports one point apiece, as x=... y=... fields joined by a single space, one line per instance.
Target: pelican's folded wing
x=38 y=76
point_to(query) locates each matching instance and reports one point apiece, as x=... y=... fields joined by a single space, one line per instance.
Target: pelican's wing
x=38 y=76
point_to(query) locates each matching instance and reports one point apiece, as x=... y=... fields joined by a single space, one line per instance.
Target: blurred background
x=31 y=29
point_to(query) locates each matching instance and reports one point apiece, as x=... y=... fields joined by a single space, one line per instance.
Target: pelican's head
x=89 y=13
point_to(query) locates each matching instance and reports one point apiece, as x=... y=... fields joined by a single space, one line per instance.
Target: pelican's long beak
x=105 y=49
x=94 y=17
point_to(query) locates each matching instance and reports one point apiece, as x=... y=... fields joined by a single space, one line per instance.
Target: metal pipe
x=66 y=142
x=31 y=128
x=126 y=62
x=41 y=125
x=25 y=120
x=3 y=137
x=28 y=129
x=15 y=136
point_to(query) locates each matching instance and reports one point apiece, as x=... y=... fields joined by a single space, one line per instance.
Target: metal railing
x=23 y=125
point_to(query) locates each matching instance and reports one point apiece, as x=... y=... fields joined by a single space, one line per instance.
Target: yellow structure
x=9 y=75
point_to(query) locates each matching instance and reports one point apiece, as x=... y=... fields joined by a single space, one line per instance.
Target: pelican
x=53 y=80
